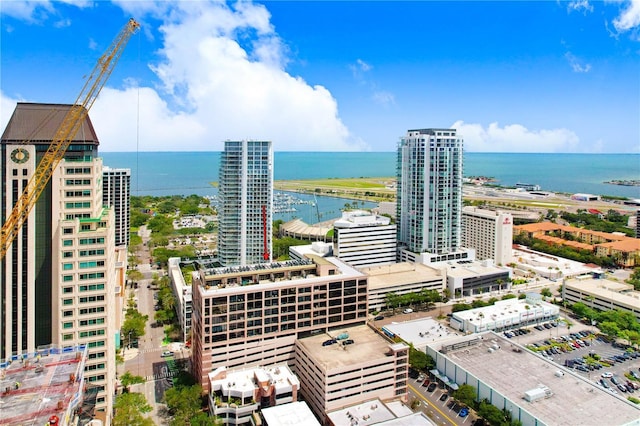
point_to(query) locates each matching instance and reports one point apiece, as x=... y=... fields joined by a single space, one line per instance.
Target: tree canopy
x=129 y=410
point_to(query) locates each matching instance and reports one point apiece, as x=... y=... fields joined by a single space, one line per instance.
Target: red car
x=426 y=382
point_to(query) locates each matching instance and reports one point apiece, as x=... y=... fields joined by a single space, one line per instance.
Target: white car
x=607 y=375
x=167 y=353
x=407 y=311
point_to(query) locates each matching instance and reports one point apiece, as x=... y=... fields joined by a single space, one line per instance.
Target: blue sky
x=511 y=76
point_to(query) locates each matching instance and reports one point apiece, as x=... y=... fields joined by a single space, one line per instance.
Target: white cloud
x=580 y=5
x=629 y=18
x=222 y=73
x=515 y=138
x=576 y=66
x=38 y=10
x=384 y=98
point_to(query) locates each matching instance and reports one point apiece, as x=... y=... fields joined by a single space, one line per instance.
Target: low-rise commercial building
x=401 y=278
x=182 y=293
x=543 y=394
x=377 y=412
x=602 y=294
x=293 y=413
x=252 y=315
x=358 y=366
x=365 y=239
x=469 y=278
x=236 y=396
x=505 y=315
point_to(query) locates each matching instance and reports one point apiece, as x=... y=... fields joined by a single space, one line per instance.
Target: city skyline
x=337 y=76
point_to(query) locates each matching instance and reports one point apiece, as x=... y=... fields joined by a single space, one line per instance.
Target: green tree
x=134 y=275
x=128 y=379
x=134 y=324
x=185 y=403
x=491 y=413
x=420 y=360
x=465 y=394
x=609 y=328
x=545 y=292
x=634 y=279
x=129 y=409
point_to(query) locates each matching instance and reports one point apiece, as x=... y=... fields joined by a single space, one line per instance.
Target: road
x=146 y=360
x=437 y=410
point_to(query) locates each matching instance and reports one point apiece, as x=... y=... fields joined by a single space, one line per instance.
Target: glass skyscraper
x=429 y=191
x=245 y=203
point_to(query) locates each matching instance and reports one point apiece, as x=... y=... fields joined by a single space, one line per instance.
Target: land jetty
x=632 y=182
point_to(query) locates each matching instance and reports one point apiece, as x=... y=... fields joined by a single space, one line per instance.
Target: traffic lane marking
x=430 y=404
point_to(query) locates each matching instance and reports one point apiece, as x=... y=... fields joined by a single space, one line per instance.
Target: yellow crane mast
x=64 y=135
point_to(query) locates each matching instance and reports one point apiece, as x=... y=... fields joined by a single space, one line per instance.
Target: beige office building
x=489 y=233
x=252 y=315
x=602 y=294
x=58 y=283
x=339 y=375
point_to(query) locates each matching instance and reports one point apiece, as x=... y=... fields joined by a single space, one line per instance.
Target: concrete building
x=544 y=392
x=236 y=396
x=419 y=332
x=365 y=239
x=58 y=281
x=429 y=195
x=182 y=293
x=602 y=294
x=377 y=412
x=469 y=278
x=401 y=278
x=245 y=203
x=505 y=315
x=339 y=375
x=116 y=193
x=44 y=386
x=252 y=315
x=489 y=233
x=530 y=263
x=293 y=413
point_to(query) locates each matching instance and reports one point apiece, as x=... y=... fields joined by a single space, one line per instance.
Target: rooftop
x=471 y=268
x=358 y=218
x=616 y=291
x=295 y=413
x=375 y=412
x=574 y=400
x=419 y=332
x=34 y=387
x=401 y=274
x=368 y=345
x=245 y=381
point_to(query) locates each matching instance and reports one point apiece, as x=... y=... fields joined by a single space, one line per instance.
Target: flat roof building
x=252 y=315
x=365 y=239
x=401 y=278
x=543 y=393
x=294 y=413
x=182 y=293
x=236 y=396
x=489 y=233
x=359 y=366
x=42 y=386
x=419 y=332
x=602 y=294
x=469 y=278
x=377 y=412
x=505 y=315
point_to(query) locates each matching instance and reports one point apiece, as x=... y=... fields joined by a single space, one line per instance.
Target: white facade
x=430 y=191
x=246 y=200
x=116 y=193
x=489 y=232
x=182 y=292
x=365 y=239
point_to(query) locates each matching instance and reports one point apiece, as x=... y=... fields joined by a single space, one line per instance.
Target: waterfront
x=184 y=173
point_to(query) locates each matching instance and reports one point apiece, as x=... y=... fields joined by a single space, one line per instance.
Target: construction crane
x=64 y=135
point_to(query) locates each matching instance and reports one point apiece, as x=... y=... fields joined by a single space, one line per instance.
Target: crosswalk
x=146 y=351
x=160 y=376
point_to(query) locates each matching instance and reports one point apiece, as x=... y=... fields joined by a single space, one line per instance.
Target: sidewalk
x=130 y=354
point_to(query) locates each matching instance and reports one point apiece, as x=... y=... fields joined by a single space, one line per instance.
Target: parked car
x=349 y=342
x=432 y=387
x=378 y=318
x=167 y=354
x=463 y=412
x=407 y=311
x=444 y=397
x=622 y=388
x=426 y=382
x=329 y=342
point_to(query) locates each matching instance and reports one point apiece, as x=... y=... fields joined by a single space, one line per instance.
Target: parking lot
x=589 y=354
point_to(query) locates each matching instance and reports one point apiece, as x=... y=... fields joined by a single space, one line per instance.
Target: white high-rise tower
x=429 y=202
x=245 y=203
